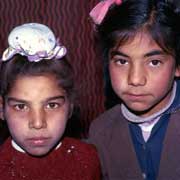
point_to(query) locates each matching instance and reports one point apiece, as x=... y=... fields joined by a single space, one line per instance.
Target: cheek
x=17 y=129
x=162 y=87
x=15 y=119
x=163 y=81
x=161 y=84
x=117 y=79
x=57 y=124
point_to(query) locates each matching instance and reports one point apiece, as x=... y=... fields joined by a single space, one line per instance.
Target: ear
x=177 y=71
x=71 y=108
x=1 y=108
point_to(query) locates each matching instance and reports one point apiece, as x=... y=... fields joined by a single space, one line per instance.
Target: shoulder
x=107 y=117
x=106 y=120
x=83 y=153
x=6 y=147
x=7 y=155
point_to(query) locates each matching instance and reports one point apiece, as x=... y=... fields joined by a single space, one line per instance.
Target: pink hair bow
x=100 y=10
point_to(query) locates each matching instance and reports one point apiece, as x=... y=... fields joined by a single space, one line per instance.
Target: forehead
x=138 y=39
x=28 y=86
x=140 y=43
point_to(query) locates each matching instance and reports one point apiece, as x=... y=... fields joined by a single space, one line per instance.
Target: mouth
x=38 y=141
x=135 y=97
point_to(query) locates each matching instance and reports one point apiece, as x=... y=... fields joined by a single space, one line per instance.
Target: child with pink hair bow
x=139 y=41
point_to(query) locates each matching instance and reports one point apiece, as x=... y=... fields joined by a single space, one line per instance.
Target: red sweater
x=73 y=160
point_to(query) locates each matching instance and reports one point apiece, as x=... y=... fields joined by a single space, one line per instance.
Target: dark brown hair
x=159 y=18
x=19 y=66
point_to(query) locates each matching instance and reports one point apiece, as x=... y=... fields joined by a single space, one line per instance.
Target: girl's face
x=37 y=110
x=142 y=74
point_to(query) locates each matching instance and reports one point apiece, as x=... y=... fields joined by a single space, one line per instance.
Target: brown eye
x=121 y=61
x=52 y=105
x=155 y=63
x=20 y=107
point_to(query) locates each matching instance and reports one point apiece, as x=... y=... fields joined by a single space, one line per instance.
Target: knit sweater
x=73 y=160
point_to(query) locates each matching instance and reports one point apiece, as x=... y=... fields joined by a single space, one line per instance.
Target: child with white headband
x=37 y=93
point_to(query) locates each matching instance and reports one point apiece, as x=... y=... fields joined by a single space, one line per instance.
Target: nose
x=37 y=119
x=137 y=76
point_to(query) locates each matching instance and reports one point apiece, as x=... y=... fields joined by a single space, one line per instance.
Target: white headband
x=35 y=41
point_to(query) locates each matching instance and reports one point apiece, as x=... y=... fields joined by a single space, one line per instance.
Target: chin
x=38 y=153
x=138 y=108
x=141 y=111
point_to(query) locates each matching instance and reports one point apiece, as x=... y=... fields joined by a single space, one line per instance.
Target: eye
x=20 y=107
x=55 y=103
x=52 y=105
x=155 y=63
x=121 y=61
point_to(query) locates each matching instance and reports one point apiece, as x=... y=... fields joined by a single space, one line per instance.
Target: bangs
x=159 y=35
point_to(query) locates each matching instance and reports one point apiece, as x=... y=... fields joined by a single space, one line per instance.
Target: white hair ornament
x=35 y=41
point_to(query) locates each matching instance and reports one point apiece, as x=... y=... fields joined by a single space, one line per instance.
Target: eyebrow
x=114 y=53
x=154 y=52
x=151 y=53
x=9 y=99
